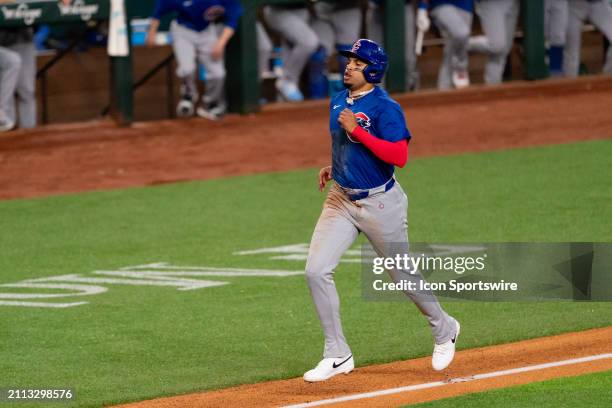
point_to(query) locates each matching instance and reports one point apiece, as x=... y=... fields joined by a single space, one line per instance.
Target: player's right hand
x=324 y=177
x=422 y=20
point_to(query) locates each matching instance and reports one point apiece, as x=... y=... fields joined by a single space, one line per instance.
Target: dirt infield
x=463 y=377
x=98 y=155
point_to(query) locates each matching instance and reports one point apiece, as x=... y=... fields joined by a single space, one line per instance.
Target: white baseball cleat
x=444 y=353
x=6 y=124
x=211 y=111
x=461 y=79
x=328 y=367
x=289 y=90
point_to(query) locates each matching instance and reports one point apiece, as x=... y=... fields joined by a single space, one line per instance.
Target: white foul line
x=454 y=380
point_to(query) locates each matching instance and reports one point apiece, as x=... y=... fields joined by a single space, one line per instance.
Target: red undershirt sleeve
x=395 y=153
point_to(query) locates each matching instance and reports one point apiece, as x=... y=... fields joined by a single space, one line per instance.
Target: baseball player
x=599 y=12
x=498 y=19
x=17 y=78
x=369 y=138
x=299 y=42
x=454 y=20
x=195 y=35
x=10 y=62
x=375 y=32
x=555 y=27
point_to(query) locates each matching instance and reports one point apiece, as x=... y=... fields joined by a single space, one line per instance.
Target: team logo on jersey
x=362 y=120
x=214 y=13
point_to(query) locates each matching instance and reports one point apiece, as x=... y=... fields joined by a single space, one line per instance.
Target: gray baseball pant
x=10 y=63
x=18 y=74
x=336 y=26
x=189 y=45
x=375 y=32
x=455 y=25
x=600 y=14
x=383 y=220
x=299 y=40
x=556 y=16
x=498 y=19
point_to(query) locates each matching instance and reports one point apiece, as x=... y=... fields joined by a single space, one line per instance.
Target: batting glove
x=422 y=21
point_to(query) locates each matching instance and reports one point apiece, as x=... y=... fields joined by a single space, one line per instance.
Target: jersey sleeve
x=233 y=11
x=162 y=7
x=391 y=123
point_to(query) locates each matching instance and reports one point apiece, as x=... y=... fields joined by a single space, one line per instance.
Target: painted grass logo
x=182 y=278
x=297 y=252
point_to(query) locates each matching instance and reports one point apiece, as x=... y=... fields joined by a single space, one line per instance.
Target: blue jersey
x=467 y=5
x=198 y=14
x=354 y=165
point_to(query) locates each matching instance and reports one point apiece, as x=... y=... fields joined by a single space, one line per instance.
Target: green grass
x=136 y=342
x=590 y=390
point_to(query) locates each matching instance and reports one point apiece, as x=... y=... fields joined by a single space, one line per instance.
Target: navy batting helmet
x=371 y=53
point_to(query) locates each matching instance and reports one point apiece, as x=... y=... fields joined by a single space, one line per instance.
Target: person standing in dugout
x=196 y=35
x=454 y=20
x=369 y=137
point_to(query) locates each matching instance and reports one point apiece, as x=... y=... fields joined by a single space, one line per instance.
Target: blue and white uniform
x=365 y=197
x=194 y=34
x=197 y=15
x=354 y=166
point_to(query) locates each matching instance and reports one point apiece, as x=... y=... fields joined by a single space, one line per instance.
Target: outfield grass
x=590 y=390
x=136 y=342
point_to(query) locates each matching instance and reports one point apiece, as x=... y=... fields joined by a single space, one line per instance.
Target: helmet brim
x=350 y=54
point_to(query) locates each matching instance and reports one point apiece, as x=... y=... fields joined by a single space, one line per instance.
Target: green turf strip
x=590 y=390
x=136 y=342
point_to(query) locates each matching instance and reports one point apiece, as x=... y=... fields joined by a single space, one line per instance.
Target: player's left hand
x=347 y=120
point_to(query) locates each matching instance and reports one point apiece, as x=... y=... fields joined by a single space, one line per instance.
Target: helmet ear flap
x=373 y=73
